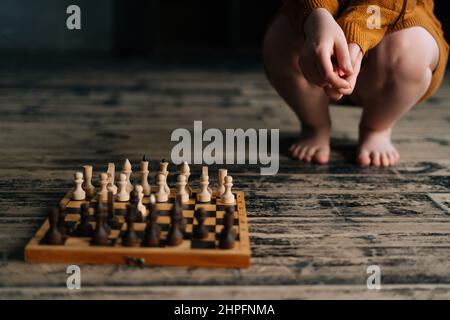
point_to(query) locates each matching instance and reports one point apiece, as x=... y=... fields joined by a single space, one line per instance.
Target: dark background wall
x=142 y=27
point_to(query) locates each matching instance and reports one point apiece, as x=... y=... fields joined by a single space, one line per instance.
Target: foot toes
x=303 y=152
x=385 y=162
x=375 y=159
x=310 y=153
x=322 y=156
x=295 y=151
x=364 y=158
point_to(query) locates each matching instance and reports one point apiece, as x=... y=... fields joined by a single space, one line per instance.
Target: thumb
x=343 y=56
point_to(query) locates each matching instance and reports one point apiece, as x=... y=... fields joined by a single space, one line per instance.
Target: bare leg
x=396 y=75
x=309 y=102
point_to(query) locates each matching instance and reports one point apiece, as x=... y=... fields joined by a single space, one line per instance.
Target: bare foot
x=376 y=149
x=312 y=146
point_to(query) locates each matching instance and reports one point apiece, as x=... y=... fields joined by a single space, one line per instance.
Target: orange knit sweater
x=352 y=16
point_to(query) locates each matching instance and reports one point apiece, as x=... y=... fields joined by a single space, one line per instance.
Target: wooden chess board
x=192 y=252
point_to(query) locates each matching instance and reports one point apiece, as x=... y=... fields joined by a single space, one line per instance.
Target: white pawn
x=161 y=195
x=127 y=170
x=181 y=189
x=227 y=196
x=103 y=192
x=221 y=188
x=186 y=171
x=140 y=205
x=122 y=194
x=111 y=177
x=204 y=195
x=78 y=192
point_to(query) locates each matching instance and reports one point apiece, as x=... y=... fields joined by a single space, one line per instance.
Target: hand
x=324 y=40
x=356 y=58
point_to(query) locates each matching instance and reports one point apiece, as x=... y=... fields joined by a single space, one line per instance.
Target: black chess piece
x=227 y=236
x=177 y=211
x=102 y=210
x=84 y=228
x=53 y=235
x=100 y=236
x=152 y=230
x=200 y=231
x=62 y=219
x=134 y=199
x=113 y=220
x=130 y=237
x=174 y=236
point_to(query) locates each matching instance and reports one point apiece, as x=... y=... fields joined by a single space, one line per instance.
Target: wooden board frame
x=35 y=252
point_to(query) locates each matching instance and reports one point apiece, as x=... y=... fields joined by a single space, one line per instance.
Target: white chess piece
x=181 y=189
x=111 y=177
x=87 y=184
x=221 y=188
x=161 y=195
x=122 y=194
x=227 y=196
x=140 y=205
x=205 y=173
x=144 y=177
x=163 y=169
x=186 y=171
x=204 y=195
x=127 y=170
x=103 y=192
x=78 y=192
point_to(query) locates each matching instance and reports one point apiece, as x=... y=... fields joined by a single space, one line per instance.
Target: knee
x=397 y=65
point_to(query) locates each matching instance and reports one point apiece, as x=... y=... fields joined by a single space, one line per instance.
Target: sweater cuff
x=310 y=5
x=354 y=34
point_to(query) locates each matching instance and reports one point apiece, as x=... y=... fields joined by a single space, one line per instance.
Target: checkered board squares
x=192 y=252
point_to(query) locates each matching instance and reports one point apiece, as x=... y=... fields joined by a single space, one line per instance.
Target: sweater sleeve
x=356 y=24
x=298 y=10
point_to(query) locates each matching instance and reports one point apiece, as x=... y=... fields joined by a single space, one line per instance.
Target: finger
x=343 y=56
x=326 y=70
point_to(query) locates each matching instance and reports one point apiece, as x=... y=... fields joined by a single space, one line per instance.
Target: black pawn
x=84 y=228
x=62 y=219
x=53 y=235
x=100 y=237
x=174 y=236
x=227 y=236
x=134 y=200
x=152 y=230
x=200 y=231
x=113 y=220
x=177 y=211
x=130 y=237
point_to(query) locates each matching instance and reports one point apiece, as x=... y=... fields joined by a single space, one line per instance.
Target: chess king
x=214 y=151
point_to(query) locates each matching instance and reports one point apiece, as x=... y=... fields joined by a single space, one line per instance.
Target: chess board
x=192 y=252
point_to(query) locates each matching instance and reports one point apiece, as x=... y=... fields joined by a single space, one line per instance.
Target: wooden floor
x=314 y=229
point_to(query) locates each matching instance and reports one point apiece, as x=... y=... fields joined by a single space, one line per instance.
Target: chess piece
x=62 y=219
x=205 y=173
x=101 y=209
x=174 y=236
x=186 y=171
x=140 y=206
x=111 y=177
x=100 y=236
x=227 y=236
x=163 y=169
x=78 y=193
x=84 y=228
x=200 y=231
x=181 y=189
x=144 y=176
x=127 y=170
x=204 y=195
x=103 y=192
x=228 y=196
x=177 y=211
x=122 y=194
x=161 y=195
x=152 y=230
x=130 y=237
x=53 y=235
x=134 y=200
x=87 y=184
x=221 y=188
x=113 y=220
